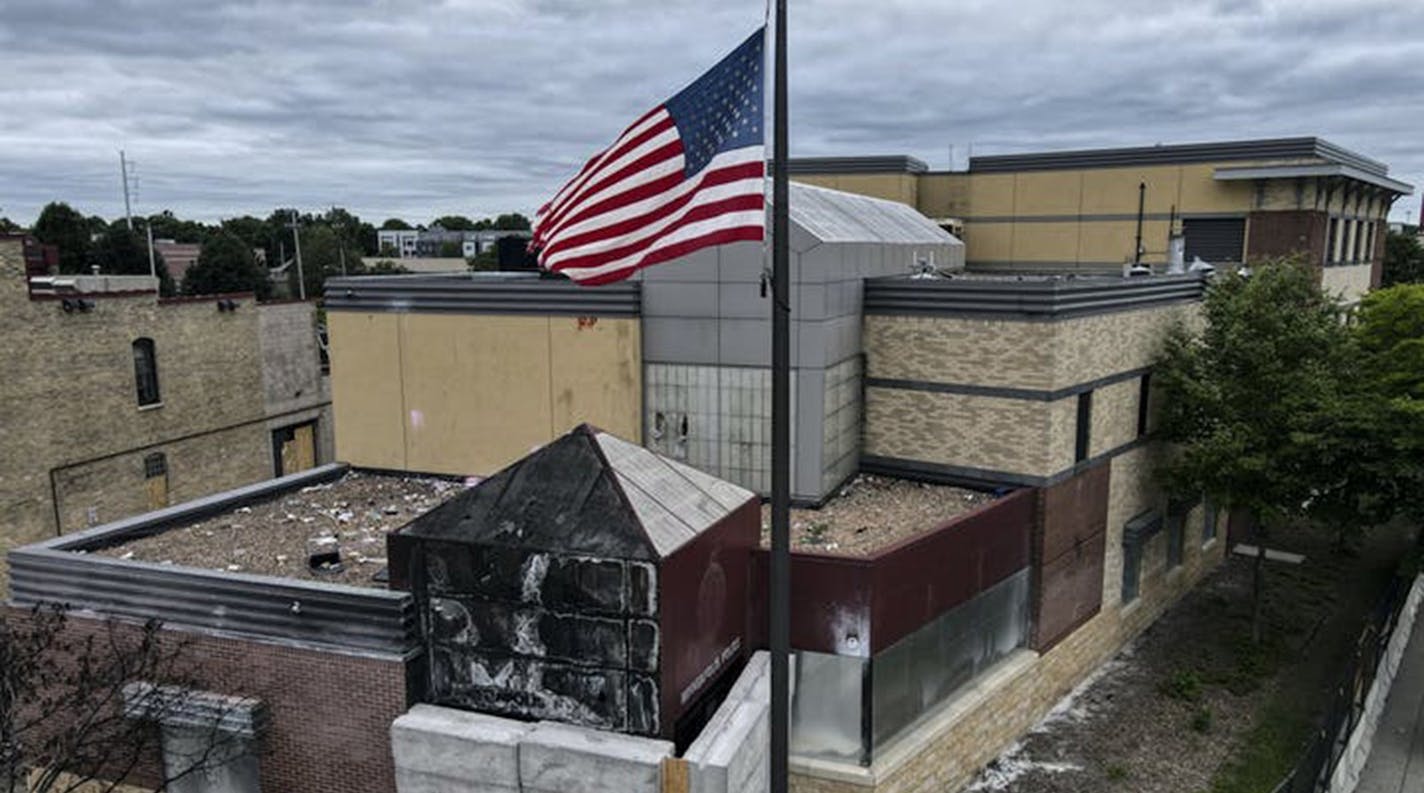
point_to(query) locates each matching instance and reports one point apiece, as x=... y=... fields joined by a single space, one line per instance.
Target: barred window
x=155 y=465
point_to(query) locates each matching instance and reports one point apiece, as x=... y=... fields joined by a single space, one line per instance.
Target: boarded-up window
x=155 y=479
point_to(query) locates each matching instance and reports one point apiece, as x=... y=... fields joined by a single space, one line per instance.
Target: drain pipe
x=1141 y=196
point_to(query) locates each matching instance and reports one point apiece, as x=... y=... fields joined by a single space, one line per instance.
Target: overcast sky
x=417 y=109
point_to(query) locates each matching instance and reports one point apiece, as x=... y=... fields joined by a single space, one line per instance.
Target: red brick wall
x=1068 y=548
x=329 y=714
x=1286 y=233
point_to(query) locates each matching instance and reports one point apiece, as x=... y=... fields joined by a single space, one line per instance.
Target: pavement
x=1396 y=761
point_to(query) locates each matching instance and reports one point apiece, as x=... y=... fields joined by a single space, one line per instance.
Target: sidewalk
x=1396 y=761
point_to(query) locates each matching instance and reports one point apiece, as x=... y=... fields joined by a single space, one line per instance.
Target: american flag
x=688 y=174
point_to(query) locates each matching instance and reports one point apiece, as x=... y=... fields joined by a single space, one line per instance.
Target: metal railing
x=1322 y=754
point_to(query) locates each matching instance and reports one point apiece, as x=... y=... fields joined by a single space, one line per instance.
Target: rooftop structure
x=1093 y=211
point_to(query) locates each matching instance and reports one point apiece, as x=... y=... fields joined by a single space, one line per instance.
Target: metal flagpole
x=780 y=429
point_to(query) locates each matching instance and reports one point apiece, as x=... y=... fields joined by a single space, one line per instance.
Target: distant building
x=1078 y=211
x=436 y=242
x=177 y=257
x=119 y=402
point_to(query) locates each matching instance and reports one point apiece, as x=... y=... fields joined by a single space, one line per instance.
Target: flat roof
x=1263 y=149
x=1300 y=171
x=892 y=163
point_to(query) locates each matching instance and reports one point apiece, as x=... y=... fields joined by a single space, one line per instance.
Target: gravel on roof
x=350 y=516
x=871 y=513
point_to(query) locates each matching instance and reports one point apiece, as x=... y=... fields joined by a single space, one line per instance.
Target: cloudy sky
x=416 y=109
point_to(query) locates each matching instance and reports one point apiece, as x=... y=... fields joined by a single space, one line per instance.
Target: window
x=146 y=372
x=1176 y=534
x=1085 y=427
x=1144 y=396
x=1208 y=521
x=1131 y=571
x=155 y=475
x=1332 y=246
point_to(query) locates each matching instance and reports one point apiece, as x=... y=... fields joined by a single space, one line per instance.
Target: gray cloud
x=395 y=107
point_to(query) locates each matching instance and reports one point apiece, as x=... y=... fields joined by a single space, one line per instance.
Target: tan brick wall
x=1021 y=436
x=1005 y=353
x=953 y=750
x=1088 y=348
x=1114 y=416
x=71 y=405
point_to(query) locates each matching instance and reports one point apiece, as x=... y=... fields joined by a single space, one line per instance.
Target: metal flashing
x=1006 y=392
x=481 y=293
x=1026 y=297
x=1266 y=149
x=1307 y=171
x=311 y=613
x=895 y=163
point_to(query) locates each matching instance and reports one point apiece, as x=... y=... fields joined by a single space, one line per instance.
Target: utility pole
x=124 y=175
x=152 y=260
x=297 y=242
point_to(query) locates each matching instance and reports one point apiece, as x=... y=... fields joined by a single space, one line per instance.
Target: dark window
x=1085 y=426
x=1208 y=521
x=1176 y=533
x=155 y=465
x=1131 y=570
x=1144 y=395
x=1332 y=237
x=146 y=372
x=1214 y=239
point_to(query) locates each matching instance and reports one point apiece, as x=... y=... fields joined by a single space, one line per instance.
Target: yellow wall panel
x=1113 y=191
x=1201 y=192
x=988 y=241
x=366 y=389
x=476 y=390
x=944 y=195
x=597 y=375
x=1107 y=241
x=991 y=195
x=1048 y=193
x=1045 y=242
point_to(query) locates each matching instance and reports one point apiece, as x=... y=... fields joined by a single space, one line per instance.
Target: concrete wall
x=443 y=750
x=471 y=393
x=72 y=454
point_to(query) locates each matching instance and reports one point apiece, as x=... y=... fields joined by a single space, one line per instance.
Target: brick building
x=1078 y=211
x=915 y=664
x=119 y=402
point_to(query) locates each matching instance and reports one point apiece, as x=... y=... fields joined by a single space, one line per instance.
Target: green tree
x=119 y=251
x=386 y=267
x=1403 y=260
x=62 y=226
x=511 y=222
x=1249 y=400
x=450 y=250
x=1390 y=331
x=226 y=264
x=395 y=224
x=323 y=255
x=454 y=223
x=167 y=226
x=8 y=226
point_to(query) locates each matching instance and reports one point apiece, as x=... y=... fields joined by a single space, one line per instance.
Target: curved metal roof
x=836 y=216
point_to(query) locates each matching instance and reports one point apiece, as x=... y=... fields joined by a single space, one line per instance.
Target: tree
x=8 y=226
x=167 y=226
x=387 y=267
x=395 y=224
x=1403 y=260
x=511 y=222
x=323 y=254
x=1390 y=333
x=454 y=223
x=78 y=706
x=226 y=264
x=62 y=226
x=120 y=251
x=1249 y=401
x=450 y=250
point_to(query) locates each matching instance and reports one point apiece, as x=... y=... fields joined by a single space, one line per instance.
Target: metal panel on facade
x=1215 y=240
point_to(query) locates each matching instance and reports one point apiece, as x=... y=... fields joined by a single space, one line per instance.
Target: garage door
x=1215 y=239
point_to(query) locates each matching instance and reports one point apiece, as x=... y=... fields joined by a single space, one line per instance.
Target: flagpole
x=780 y=428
